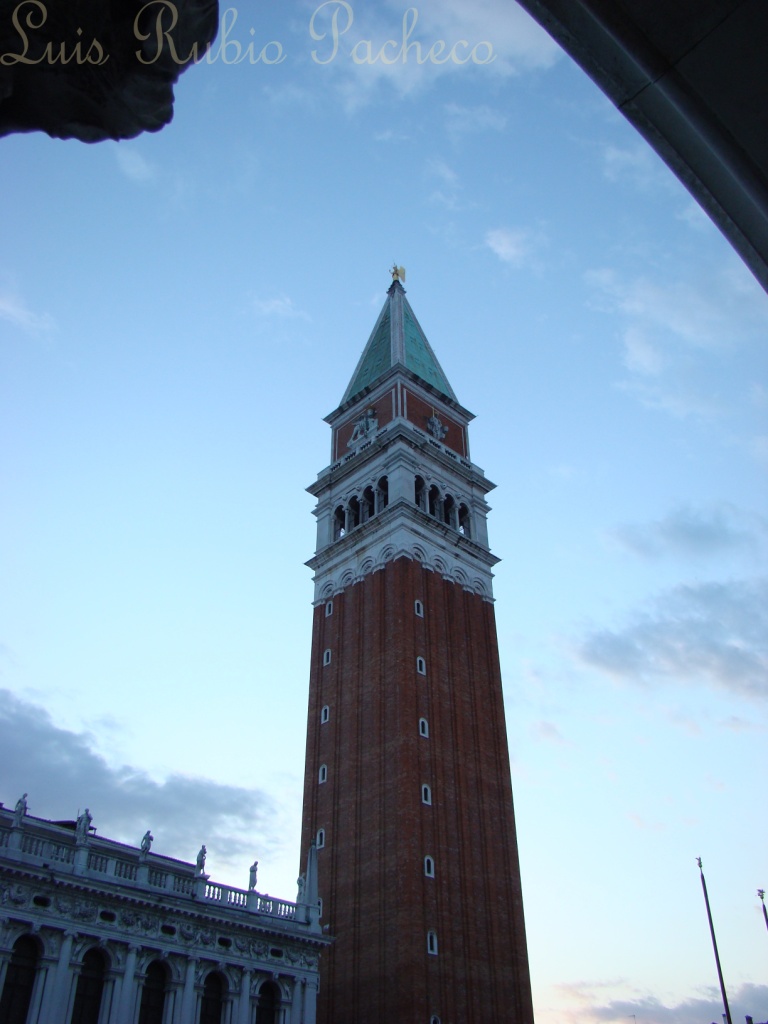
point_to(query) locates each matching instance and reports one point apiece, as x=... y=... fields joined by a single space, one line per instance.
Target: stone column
x=310 y=1001
x=244 y=1006
x=43 y=984
x=5 y=957
x=56 y=998
x=128 y=989
x=188 y=998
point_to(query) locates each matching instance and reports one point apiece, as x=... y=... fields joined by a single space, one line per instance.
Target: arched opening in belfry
x=382 y=493
x=450 y=512
x=465 y=521
x=353 y=513
x=435 y=502
x=367 y=505
x=339 y=523
x=420 y=493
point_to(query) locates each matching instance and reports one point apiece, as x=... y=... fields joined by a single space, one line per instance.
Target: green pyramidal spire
x=397 y=338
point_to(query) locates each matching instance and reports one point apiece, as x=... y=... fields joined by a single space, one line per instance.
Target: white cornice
x=402 y=531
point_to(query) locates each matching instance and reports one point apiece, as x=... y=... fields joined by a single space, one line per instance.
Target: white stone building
x=96 y=932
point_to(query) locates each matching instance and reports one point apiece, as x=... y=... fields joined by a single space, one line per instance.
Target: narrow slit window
x=432 y=943
x=328 y=608
x=434 y=1019
x=424 y=728
x=426 y=794
x=418 y=607
x=429 y=867
x=327 y=656
x=325 y=714
x=322 y=775
x=421 y=666
x=320 y=838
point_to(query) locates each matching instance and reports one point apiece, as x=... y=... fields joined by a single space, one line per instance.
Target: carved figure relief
x=366 y=425
x=436 y=428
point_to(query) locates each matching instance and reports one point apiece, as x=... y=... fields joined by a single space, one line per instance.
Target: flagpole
x=727 y=1014
x=761 y=894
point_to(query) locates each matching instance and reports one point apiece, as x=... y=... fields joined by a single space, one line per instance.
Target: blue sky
x=178 y=313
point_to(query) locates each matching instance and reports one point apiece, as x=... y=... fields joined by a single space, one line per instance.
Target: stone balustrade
x=145 y=871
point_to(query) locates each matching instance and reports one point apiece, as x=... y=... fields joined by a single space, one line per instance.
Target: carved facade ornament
x=84 y=912
x=364 y=427
x=18 y=895
x=436 y=428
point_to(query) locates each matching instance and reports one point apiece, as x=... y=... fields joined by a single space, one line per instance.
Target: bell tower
x=407 y=790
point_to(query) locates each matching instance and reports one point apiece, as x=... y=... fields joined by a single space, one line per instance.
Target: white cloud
x=463 y=120
x=280 y=306
x=637 y=164
x=758 y=447
x=61 y=772
x=15 y=311
x=409 y=47
x=447 y=194
x=549 y=732
x=747 y=999
x=512 y=245
x=678 y=332
x=640 y=356
x=685 y=310
x=702 y=632
x=678 y=399
x=133 y=164
x=698 y=532
x=520 y=44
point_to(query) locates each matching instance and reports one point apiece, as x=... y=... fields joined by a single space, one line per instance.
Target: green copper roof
x=376 y=358
x=397 y=338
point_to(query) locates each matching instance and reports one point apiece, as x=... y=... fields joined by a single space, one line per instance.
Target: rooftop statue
x=20 y=810
x=83 y=824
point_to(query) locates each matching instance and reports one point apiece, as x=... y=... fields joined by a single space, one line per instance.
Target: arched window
x=465 y=521
x=322 y=775
x=434 y=1019
x=269 y=1003
x=424 y=728
x=450 y=514
x=429 y=867
x=382 y=494
x=421 y=666
x=20 y=980
x=90 y=986
x=325 y=714
x=368 y=505
x=418 y=608
x=432 y=943
x=339 y=523
x=212 y=1002
x=320 y=838
x=353 y=513
x=420 y=493
x=426 y=794
x=328 y=608
x=327 y=656
x=153 y=994
x=434 y=502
